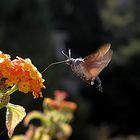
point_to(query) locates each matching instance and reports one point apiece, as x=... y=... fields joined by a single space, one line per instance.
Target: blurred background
x=41 y=29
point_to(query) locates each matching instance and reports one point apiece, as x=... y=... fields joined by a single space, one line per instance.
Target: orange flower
x=52 y=103
x=5 y=65
x=69 y=105
x=23 y=73
x=60 y=95
x=26 y=76
x=59 y=102
x=60 y=105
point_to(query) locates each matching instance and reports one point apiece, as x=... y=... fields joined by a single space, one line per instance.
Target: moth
x=89 y=68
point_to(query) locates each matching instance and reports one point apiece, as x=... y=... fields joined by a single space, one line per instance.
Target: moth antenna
x=69 y=53
x=55 y=63
x=60 y=62
x=65 y=55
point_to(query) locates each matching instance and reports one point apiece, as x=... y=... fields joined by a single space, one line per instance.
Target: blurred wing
x=97 y=61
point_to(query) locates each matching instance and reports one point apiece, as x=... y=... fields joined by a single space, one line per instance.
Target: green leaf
x=34 y=115
x=14 y=115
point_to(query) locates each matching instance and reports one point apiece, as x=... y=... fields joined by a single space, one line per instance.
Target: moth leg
x=99 y=85
x=92 y=82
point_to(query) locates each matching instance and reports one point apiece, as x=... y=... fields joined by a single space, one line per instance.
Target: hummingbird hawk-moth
x=89 y=68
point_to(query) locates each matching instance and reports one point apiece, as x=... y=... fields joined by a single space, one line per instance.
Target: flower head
x=5 y=65
x=59 y=102
x=60 y=95
x=22 y=73
x=60 y=105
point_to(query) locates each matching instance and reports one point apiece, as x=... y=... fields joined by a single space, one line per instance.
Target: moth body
x=77 y=66
x=89 y=68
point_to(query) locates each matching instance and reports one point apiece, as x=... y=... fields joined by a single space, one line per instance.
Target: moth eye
x=69 y=62
x=78 y=62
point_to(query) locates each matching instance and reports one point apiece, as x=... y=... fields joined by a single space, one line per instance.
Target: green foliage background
x=27 y=29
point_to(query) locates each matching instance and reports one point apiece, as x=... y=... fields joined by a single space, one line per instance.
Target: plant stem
x=13 y=89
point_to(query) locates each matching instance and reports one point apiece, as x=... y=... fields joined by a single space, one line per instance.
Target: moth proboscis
x=89 y=68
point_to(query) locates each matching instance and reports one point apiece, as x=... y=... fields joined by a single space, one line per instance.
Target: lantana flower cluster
x=22 y=73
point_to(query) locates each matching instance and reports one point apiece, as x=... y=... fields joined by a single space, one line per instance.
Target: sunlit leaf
x=66 y=129
x=14 y=115
x=18 y=137
x=45 y=137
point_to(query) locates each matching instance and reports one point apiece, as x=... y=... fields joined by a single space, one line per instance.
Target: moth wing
x=97 y=61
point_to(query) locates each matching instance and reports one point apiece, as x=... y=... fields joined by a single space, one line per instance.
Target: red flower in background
x=59 y=102
x=59 y=94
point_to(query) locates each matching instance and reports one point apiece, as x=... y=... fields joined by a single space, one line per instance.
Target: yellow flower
x=24 y=86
